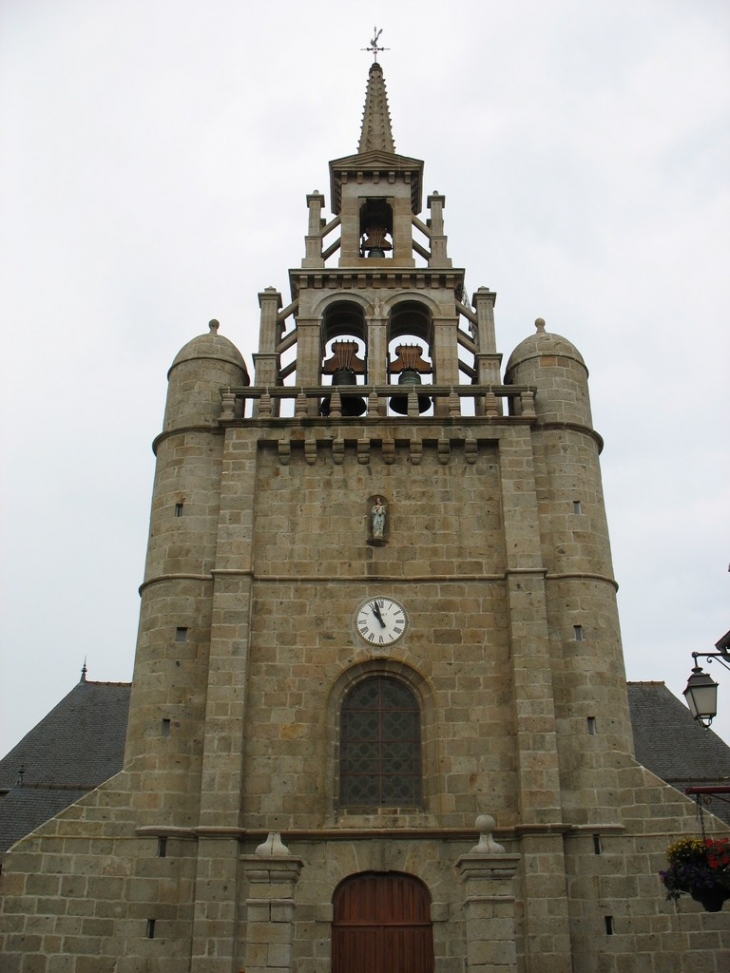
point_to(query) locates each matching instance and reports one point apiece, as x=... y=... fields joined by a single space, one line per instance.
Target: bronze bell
x=352 y=405
x=375 y=243
x=399 y=403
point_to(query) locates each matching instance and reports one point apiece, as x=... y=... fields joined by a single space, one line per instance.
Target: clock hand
x=376 y=612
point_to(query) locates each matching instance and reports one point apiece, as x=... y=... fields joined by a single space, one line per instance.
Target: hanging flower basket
x=711 y=900
x=699 y=867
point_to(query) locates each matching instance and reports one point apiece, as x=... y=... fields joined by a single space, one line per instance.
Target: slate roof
x=671 y=745
x=76 y=747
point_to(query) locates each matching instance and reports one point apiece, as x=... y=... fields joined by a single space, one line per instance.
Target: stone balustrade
x=375 y=402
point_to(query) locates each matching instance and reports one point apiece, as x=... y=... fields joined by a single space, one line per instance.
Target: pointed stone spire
x=376 y=132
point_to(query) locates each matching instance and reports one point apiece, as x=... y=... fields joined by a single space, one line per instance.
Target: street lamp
x=701 y=695
x=701 y=690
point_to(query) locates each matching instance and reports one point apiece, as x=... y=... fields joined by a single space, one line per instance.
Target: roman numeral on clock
x=381 y=621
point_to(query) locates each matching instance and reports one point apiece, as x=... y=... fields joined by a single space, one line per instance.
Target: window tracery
x=380 y=745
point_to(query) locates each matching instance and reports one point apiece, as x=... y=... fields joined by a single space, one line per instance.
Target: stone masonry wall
x=314 y=567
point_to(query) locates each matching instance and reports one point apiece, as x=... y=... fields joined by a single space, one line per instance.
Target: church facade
x=379 y=718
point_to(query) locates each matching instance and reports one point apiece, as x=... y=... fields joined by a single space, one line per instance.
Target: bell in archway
x=409 y=364
x=375 y=243
x=351 y=405
x=399 y=403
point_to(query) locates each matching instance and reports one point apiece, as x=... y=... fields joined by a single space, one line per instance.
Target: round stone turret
x=167 y=709
x=556 y=368
x=579 y=587
x=204 y=366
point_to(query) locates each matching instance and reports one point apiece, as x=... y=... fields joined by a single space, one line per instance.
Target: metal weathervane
x=374 y=47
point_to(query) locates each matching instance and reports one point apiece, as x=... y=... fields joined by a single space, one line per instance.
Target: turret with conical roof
x=167 y=707
x=556 y=369
x=576 y=553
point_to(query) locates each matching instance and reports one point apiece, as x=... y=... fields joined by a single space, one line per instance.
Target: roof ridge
x=49 y=787
x=101 y=682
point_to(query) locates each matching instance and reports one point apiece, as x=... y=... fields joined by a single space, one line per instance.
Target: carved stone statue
x=377 y=518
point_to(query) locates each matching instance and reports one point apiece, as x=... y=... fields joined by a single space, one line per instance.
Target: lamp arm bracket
x=722 y=657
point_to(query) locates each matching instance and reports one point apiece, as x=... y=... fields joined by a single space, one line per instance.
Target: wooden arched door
x=382 y=924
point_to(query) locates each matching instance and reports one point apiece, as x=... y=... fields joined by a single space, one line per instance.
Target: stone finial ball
x=540 y=324
x=213 y=324
x=485 y=824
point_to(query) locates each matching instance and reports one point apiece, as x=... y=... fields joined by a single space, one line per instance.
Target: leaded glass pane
x=400 y=726
x=364 y=696
x=361 y=791
x=398 y=757
x=380 y=745
x=401 y=791
x=362 y=758
x=395 y=695
x=360 y=726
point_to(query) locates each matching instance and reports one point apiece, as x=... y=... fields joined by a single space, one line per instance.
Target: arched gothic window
x=380 y=745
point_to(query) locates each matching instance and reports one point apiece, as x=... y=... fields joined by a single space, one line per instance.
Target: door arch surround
x=382 y=922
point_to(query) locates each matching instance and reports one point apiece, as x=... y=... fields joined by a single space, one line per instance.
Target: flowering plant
x=698 y=866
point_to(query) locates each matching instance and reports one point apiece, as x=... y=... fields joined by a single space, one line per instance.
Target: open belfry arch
x=379 y=705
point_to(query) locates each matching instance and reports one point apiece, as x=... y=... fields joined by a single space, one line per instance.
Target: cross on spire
x=374 y=46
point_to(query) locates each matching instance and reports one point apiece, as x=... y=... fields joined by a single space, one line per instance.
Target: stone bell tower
x=379 y=717
x=393 y=279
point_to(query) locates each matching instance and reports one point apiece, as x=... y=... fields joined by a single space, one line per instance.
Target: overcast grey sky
x=156 y=157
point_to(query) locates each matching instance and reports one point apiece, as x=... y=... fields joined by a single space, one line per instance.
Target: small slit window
x=380 y=745
x=181 y=635
x=178 y=510
x=150 y=928
x=578 y=633
x=577 y=507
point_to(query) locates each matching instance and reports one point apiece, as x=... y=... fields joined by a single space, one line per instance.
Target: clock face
x=381 y=621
